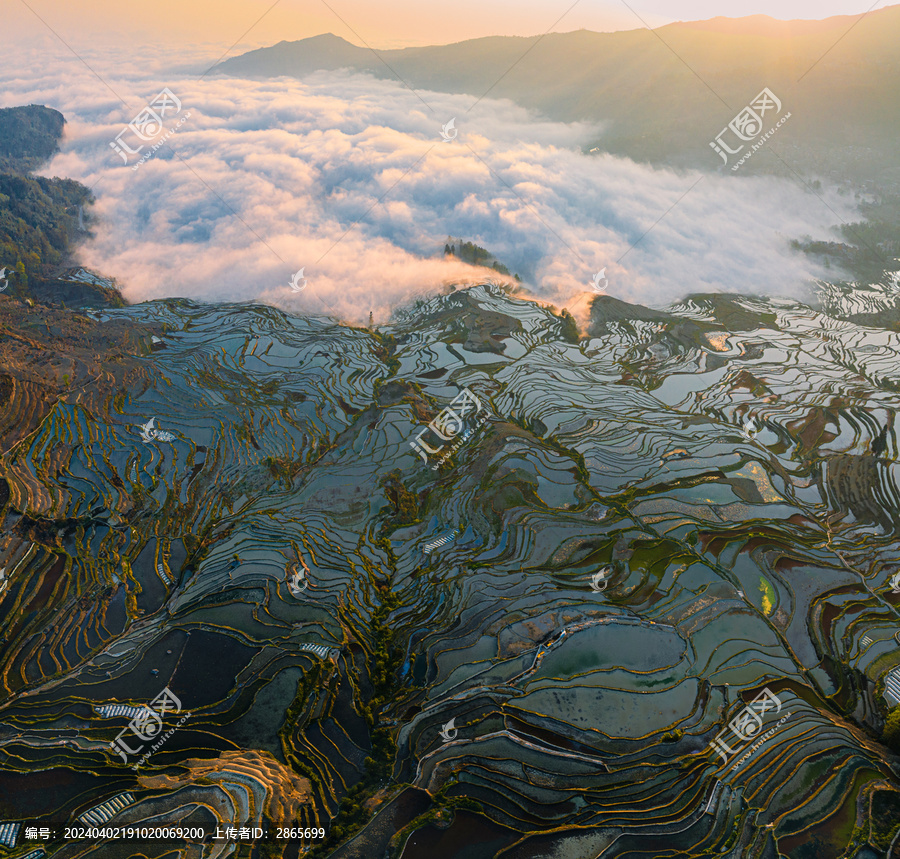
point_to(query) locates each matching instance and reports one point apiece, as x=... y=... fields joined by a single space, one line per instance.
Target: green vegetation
x=36 y=214
x=569 y=328
x=878 y=830
x=386 y=346
x=28 y=136
x=36 y=218
x=769 y=597
x=672 y=736
x=283 y=468
x=39 y=216
x=441 y=813
x=890 y=736
x=383 y=660
x=475 y=255
x=405 y=503
x=885 y=818
x=870 y=248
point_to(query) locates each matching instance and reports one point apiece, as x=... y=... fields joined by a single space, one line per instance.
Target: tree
x=891 y=734
x=569 y=328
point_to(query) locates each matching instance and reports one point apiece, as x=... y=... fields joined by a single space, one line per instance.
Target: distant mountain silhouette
x=765 y=25
x=664 y=94
x=297 y=58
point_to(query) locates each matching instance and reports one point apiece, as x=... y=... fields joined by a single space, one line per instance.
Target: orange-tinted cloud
x=348 y=178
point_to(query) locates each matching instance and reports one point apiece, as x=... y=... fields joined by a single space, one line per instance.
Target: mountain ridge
x=616 y=79
x=766 y=25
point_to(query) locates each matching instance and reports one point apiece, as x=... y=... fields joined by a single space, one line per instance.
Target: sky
x=234 y=25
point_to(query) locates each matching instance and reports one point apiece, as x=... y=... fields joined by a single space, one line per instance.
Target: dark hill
x=28 y=136
x=39 y=216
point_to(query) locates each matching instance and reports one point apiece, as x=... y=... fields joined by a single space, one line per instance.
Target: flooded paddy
x=288 y=566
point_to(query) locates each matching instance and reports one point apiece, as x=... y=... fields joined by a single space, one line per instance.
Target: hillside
x=41 y=218
x=28 y=136
x=622 y=544
x=657 y=91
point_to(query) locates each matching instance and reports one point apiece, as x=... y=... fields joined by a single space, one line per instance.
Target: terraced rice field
x=322 y=602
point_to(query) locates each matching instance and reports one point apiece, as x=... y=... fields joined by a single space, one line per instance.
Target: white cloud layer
x=347 y=177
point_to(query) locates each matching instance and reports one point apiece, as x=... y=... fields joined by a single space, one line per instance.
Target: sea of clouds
x=348 y=178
